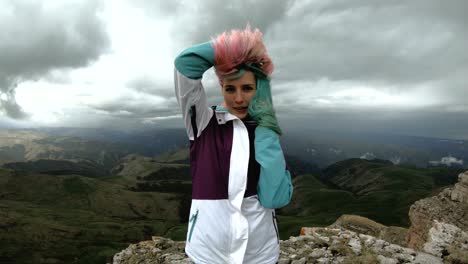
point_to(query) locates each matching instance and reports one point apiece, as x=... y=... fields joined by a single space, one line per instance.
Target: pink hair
x=238 y=47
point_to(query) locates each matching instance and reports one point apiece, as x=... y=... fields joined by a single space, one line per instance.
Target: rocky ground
x=317 y=245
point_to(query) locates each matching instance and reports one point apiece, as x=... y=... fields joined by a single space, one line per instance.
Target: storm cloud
x=198 y=21
x=392 y=46
x=389 y=66
x=38 y=37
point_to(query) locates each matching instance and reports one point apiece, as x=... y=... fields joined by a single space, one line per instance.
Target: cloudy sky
x=378 y=66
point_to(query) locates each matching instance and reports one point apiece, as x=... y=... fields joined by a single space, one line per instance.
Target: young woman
x=239 y=175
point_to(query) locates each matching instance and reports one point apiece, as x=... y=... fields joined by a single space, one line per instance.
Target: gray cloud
x=113 y=120
x=420 y=123
x=130 y=106
x=39 y=37
x=198 y=22
x=393 y=46
x=391 y=41
x=127 y=110
x=159 y=8
x=319 y=47
x=10 y=107
x=448 y=161
x=148 y=85
x=368 y=156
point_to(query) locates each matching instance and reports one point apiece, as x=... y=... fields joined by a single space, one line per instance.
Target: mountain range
x=80 y=196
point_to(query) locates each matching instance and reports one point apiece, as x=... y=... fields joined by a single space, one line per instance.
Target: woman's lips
x=240 y=109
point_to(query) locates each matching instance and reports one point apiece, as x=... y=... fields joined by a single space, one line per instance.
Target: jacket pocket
x=275 y=225
x=192 y=223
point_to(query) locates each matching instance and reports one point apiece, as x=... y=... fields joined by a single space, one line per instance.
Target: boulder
x=363 y=225
x=439 y=224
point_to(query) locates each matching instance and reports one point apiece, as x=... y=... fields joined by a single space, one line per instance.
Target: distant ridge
x=59 y=167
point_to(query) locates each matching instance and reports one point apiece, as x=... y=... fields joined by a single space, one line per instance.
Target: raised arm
x=189 y=68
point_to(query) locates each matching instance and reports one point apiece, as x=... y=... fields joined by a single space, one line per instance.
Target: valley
x=76 y=200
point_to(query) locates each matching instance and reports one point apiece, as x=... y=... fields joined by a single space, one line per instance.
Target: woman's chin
x=240 y=115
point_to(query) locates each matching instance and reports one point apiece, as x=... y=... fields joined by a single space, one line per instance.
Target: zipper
x=193 y=220
x=274 y=224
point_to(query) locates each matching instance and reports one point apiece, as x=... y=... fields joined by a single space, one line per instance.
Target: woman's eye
x=229 y=89
x=247 y=88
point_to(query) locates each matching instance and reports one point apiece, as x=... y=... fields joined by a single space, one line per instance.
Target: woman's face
x=238 y=92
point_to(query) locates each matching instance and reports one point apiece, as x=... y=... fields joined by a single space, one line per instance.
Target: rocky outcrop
x=447 y=241
x=315 y=245
x=459 y=193
x=159 y=250
x=439 y=224
x=363 y=225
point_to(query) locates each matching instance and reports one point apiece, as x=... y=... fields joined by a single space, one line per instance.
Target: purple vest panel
x=210 y=156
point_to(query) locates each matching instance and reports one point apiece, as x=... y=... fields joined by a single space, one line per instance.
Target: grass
x=177 y=233
x=74 y=232
x=75 y=219
x=76 y=185
x=316 y=203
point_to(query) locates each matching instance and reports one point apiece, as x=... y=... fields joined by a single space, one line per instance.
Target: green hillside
x=375 y=189
x=76 y=219
x=57 y=218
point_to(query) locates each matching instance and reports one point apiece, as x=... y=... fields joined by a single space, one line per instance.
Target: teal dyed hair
x=261 y=106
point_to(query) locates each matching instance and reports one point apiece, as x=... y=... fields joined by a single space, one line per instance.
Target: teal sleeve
x=194 y=61
x=274 y=186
